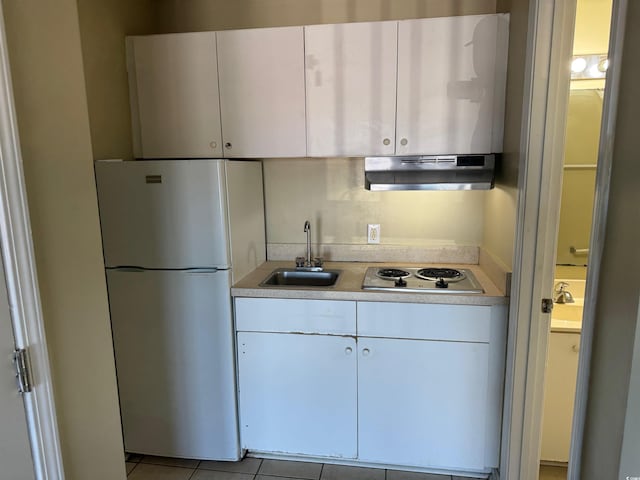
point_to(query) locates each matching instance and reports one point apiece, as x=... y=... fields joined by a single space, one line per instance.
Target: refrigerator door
x=166 y=214
x=173 y=341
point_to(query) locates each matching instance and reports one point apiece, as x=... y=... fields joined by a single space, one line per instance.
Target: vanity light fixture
x=589 y=67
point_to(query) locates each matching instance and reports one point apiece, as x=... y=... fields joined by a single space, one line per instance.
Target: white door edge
x=598 y=230
x=22 y=284
x=541 y=150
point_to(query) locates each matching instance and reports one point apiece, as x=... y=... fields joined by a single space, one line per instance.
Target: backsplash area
x=330 y=194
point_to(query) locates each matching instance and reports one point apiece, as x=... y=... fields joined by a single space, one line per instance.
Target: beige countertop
x=349 y=286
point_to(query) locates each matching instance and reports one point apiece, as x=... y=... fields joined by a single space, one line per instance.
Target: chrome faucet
x=308 y=262
x=562 y=295
x=307 y=230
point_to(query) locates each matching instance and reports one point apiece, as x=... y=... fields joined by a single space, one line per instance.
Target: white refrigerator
x=176 y=235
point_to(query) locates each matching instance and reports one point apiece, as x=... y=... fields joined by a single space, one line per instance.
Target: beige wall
x=103 y=26
x=501 y=203
x=616 y=313
x=330 y=193
x=593 y=19
x=46 y=66
x=592 y=27
x=196 y=15
x=578 y=185
x=629 y=459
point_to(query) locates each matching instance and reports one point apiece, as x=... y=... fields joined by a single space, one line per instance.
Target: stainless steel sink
x=290 y=277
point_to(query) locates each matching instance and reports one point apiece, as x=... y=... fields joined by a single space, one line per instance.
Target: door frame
x=22 y=283
x=598 y=230
x=551 y=24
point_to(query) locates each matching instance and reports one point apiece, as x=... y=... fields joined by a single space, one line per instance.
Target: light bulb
x=603 y=65
x=578 y=65
x=594 y=71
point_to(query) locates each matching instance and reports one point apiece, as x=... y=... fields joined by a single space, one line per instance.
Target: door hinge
x=547 y=305
x=23 y=370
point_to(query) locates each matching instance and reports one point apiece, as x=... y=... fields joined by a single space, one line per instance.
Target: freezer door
x=173 y=341
x=163 y=214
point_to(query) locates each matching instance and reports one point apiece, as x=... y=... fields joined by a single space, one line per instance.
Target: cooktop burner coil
x=392 y=273
x=449 y=274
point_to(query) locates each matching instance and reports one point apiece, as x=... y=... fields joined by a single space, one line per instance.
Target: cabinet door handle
x=386 y=141
x=227 y=145
x=575 y=348
x=403 y=141
x=213 y=144
x=365 y=352
x=348 y=350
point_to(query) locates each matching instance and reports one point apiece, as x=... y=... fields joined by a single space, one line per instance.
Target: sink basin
x=290 y=277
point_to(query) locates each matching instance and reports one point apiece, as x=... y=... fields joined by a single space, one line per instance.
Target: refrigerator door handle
x=203 y=270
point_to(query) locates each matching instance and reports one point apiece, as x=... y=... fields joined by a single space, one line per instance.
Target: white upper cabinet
x=451 y=82
x=173 y=86
x=350 y=72
x=261 y=74
x=428 y=86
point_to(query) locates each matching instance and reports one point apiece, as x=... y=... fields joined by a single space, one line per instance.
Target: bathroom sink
x=290 y=277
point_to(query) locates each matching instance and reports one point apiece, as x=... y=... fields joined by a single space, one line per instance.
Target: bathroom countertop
x=567 y=317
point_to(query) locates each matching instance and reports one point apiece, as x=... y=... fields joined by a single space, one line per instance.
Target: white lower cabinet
x=298 y=393
x=422 y=403
x=559 y=392
x=420 y=387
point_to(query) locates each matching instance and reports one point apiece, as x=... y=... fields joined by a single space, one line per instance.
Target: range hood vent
x=430 y=172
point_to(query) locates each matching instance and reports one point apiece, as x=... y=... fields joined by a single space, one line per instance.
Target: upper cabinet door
x=451 y=81
x=173 y=85
x=262 y=92
x=351 y=89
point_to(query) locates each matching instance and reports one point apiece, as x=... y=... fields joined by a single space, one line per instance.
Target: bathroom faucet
x=308 y=262
x=562 y=295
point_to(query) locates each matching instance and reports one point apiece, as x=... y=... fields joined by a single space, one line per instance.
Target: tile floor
x=160 y=468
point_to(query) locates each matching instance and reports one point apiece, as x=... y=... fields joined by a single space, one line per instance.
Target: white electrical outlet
x=373 y=233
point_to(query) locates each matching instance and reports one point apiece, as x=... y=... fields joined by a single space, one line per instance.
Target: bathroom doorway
x=584 y=113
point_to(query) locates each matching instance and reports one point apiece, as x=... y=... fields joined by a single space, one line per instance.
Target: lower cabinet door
x=559 y=391
x=298 y=393
x=422 y=403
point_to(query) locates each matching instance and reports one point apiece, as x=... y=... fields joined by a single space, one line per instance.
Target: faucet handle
x=318 y=261
x=560 y=286
x=300 y=261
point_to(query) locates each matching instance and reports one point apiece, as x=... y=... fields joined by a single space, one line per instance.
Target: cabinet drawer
x=462 y=323
x=295 y=316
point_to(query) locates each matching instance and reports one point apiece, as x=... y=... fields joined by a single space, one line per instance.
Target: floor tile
x=342 y=472
x=282 y=468
x=170 y=461
x=217 y=475
x=133 y=457
x=130 y=466
x=145 y=471
x=552 y=473
x=246 y=465
x=270 y=477
x=402 y=475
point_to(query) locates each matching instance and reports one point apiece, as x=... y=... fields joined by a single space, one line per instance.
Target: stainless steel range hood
x=430 y=172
